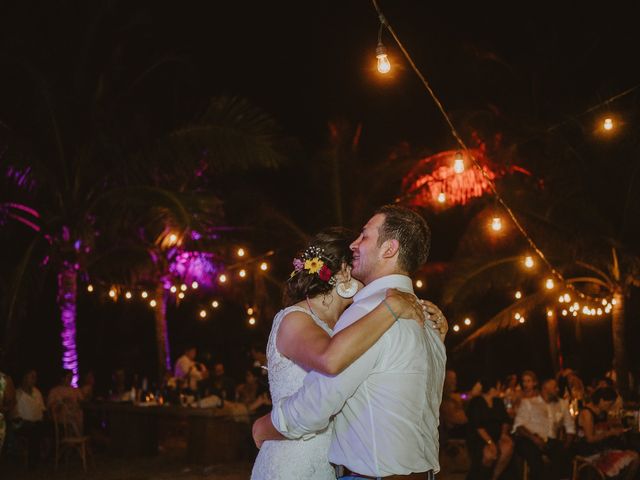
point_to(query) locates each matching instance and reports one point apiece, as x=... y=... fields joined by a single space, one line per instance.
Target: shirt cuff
x=280 y=423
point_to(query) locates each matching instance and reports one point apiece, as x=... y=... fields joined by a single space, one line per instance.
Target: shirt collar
x=401 y=282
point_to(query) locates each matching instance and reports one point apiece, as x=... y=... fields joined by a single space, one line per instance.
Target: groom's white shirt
x=386 y=404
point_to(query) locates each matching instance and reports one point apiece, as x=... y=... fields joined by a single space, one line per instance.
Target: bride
x=319 y=289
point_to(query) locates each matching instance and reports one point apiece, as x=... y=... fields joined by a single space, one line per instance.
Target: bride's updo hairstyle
x=315 y=266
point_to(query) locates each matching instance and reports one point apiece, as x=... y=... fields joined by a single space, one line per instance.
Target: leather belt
x=342 y=471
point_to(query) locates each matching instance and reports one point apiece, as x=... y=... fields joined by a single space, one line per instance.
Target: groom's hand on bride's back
x=264 y=430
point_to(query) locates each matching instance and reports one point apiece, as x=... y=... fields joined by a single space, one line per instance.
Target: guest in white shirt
x=188 y=370
x=28 y=415
x=544 y=426
x=386 y=404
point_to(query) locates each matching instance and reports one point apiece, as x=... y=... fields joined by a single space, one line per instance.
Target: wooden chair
x=68 y=436
x=581 y=464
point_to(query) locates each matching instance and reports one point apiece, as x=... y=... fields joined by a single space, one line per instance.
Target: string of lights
x=492 y=186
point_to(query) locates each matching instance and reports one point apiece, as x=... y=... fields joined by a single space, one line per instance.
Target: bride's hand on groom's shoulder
x=436 y=318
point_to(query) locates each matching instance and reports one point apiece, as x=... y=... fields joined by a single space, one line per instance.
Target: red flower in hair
x=324 y=273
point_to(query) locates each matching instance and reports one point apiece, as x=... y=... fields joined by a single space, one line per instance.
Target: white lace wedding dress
x=291 y=459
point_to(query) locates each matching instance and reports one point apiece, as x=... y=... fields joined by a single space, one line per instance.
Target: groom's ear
x=390 y=248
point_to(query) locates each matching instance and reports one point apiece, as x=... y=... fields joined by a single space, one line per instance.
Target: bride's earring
x=347 y=289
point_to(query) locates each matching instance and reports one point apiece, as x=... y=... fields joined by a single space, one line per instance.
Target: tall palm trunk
x=618 y=335
x=162 y=335
x=67 y=292
x=554 y=341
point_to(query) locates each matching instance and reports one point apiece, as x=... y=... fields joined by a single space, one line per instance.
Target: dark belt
x=342 y=471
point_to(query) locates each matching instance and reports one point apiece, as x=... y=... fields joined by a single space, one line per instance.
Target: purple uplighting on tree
x=194 y=266
x=67 y=290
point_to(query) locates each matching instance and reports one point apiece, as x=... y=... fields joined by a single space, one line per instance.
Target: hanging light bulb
x=112 y=293
x=252 y=321
x=242 y=273
x=152 y=303
x=215 y=304
x=599 y=311
x=528 y=261
x=561 y=299
x=614 y=301
x=264 y=266
x=173 y=239
x=567 y=297
x=456 y=328
x=144 y=294
x=194 y=285
x=549 y=284
x=241 y=252
x=442 y=197
x=549 y=313
x=222 y=278
x=467 y=321
x=604 y=302
x=127 y=295
x=458 y=163
x=183 y=287
x=181 y=295
x=89 y=288
x=564 y=313
x=607 y=124
x=384 y=66
x=496 y=224
x=517 y=316
x=518 y=295
x=249 y=311
x=419 y=284
x=173 y=289
x=203 y=313
x=522 y=320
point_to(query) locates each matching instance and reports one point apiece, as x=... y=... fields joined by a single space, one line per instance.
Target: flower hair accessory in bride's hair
x=312 y=263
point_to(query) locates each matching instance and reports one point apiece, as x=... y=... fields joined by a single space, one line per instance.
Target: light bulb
x=242 y=273
x=442 y=197
x=127 y=295
x=173 y=238
x=215 y=304
x=174 y=289
x=549 y=284
x=614 y=301
x=249 y=311
x=241 y=252
x=496 y=224
x=528 y=261
x=112 y=293
x=383 y=61
x=567 y=297
x=89 y=288
x=203 y=313
x=467 y=321
x=152 y=303
x=607 y=124
x=456 y=328
x=518 y=294
x=419 y=283
x=264 y=266
x=222 y=278
x=517 y=316
x=194 y=285
x=564 y=312
x=458 y=163
x=549 y=313
x=183 y=287
x=144 y=294
x=181 y=295
x=252 y=321
x=522 y=320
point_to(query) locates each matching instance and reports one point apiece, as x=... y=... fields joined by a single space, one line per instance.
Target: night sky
x=307 y=64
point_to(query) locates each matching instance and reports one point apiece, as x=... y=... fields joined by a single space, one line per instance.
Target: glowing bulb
x=252 y=321
x=152 y=303
x=173 y=239
x=518 y=294
x=567 y=297
x=549 y=313
x=614 y=301
x=127 y=295
x=467 y=321
x=522 y=320
x=528 y=261
x=593 y=311
x=496 y=224
x=264 y=266
x=383 y=62
x=89 y=288
x=564 y=313
x=249 y=311
x=458 y=163
x=442 y=197
x=215 y=304
x=608 y=124
x=549 y=284
x=241 y=252
x=561 y=299
x=203 y=313
x=575 y=314
x=604 y=302
x=222 y=278
x=112 y=293
x=194 y=285
x=144 y=294
x=517 y=316
x=181 y=295
x=419 y=283
x=242 y=273
x=456 y=328
x=183 y=287
x=174 y=289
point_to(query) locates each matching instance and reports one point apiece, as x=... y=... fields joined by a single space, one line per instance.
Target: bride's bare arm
x=304 y=342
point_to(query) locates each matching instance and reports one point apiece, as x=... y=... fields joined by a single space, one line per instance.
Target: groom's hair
x=412 y=233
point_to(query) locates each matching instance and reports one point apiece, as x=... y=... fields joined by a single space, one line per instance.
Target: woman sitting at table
x=601 y=443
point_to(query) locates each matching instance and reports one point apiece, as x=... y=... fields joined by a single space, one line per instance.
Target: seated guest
x=601 y=443
x=188 y=371
x=63 y=402
x=452 y=415
x=539 y=425
x=220 y=384
x=511 y=394
x=247 y=392
x=489 y=443
x=28 y=415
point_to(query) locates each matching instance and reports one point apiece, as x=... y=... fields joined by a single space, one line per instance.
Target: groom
x=386 y=403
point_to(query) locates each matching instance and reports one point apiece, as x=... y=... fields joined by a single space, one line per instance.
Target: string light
x=173 y=239
x=89 y=288
x=419 y=284
x=561 y=299
x=549 y=313
x=458 y=163
x=222 y=278
x=128 y=295
x=456 y=328
x=549 y=284
x=528 y=261
x=442 y=197
x=607 y=124
x=604 y=302
x=112 y=293
x=252 y=321
x=522 y=320
x=183 y=287
x=144 y=294
x=173 y=289
x=152 y=303
x=242 y=273
x=518 y=295
x=249 y=311
x=467 y=321
x=567 y=297
x=181 y=295
x=517 y=316
x=564 y=313
x=496 y=224
x=203 y=313
x=264 y=266
x=194 y=285
x=241 y=252
x=614 y=301
x=215 y=304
